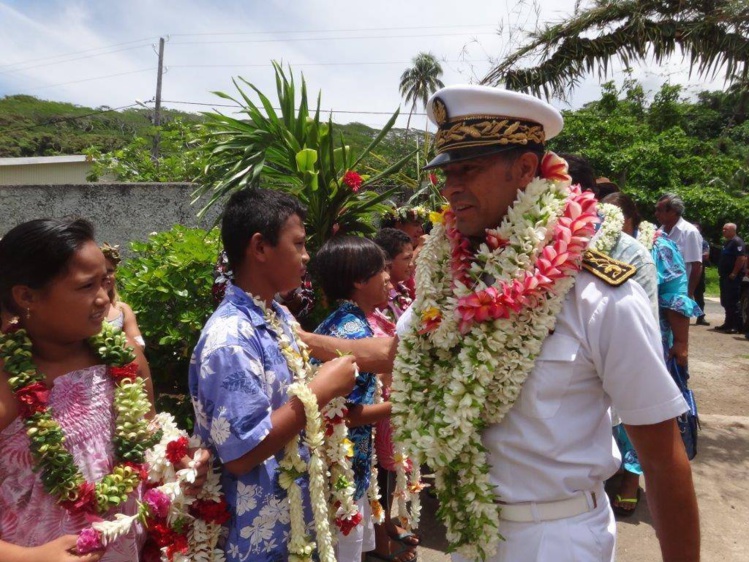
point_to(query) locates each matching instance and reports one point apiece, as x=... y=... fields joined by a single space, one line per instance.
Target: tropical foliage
x=693 y=149
x=713 y=35
x=178 y=159
x=167 y=281
x=294 y=151
x=420 y=81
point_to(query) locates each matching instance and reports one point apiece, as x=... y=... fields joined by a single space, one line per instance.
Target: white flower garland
x=646 y=234
x=327 y=456
x=607 y=236
x=449 y=385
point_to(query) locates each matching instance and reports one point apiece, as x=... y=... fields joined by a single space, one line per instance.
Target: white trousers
x=361 y=539
x=590 y=537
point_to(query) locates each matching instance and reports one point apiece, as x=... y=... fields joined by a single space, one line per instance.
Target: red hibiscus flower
x=176 y=450
x=32 y=399
x=160 y=532
x=353 y=180
x=85 y=502
x=129 y=371
x=211 y=511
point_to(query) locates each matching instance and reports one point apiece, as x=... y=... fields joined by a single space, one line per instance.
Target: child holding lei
x=64 y=462
x=353 y=271
x=246 y=376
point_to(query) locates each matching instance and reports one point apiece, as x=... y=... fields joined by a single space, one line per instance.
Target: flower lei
x=330 y=452
x=646 y=234
x=60 y=476
x=143 y=451
x=181 y=528
x=611 y=228
x=480 y=319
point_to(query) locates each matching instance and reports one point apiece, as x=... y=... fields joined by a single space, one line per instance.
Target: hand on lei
x=480 y=319
x=330 y=454
x=143 y=451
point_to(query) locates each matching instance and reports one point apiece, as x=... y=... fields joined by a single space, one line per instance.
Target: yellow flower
x=437 y=217
x=348 y=447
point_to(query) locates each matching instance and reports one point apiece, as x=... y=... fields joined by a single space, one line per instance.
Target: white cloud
x=118 y=41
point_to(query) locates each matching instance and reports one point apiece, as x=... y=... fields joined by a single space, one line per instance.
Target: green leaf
x=306 y=160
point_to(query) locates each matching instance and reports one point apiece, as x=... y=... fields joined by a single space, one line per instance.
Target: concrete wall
x=120 y=212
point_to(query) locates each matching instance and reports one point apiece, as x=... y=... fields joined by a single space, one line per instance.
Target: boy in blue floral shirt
x=238 y=376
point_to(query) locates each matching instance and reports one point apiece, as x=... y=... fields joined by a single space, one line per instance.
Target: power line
x=327 y=30
x=358 y=38
x=279 y=109
x=295 y=65
x=91 y=79
x=80 y=52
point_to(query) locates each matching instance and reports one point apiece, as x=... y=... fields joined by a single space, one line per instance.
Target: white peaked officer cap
x=475 y=121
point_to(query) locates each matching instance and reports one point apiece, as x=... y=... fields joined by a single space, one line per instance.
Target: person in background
x=399 y=249
x=731 y=272
x=605 y=187
x=675 y=310
x=699 y=291
x=669 y=211
x=352 y=272
x=119 y=314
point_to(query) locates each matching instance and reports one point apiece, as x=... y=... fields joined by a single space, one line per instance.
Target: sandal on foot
x=407 y=538
x=620 y=510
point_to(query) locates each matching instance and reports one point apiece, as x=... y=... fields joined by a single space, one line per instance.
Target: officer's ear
x=526 y=166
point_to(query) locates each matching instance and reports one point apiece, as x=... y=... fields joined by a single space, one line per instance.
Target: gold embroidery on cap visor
x=486 y=131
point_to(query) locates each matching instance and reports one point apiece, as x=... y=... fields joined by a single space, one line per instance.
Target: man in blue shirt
x=731 y=271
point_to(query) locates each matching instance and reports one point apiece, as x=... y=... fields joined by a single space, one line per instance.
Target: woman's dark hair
x=345 y=260
x=252 y=211
x=626 y=204
x=36 y=252
x=392 y=241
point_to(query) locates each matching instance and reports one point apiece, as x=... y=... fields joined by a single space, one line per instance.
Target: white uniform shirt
x=557 y=439
x=689 y=241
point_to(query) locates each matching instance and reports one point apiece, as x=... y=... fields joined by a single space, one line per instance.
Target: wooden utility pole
x=157 y=106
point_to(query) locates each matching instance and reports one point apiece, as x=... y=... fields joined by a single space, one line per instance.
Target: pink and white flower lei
x=480 y=318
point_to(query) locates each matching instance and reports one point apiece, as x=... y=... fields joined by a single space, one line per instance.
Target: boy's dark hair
x=626 y=204
x=36 y=252
x=582 y=172
x=252 y=211
x=392 y=241
x=345 y=260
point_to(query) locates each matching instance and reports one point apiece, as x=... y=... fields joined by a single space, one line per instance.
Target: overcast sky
x=97 y=53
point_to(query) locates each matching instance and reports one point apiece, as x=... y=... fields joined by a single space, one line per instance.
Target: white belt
x=528 y=512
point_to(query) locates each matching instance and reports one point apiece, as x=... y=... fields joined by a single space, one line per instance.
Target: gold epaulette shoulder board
x=611 y=271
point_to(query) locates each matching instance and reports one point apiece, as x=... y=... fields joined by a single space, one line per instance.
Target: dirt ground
x=719 y=371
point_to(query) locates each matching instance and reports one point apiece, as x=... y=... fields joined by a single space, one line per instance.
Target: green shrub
x=168 y=284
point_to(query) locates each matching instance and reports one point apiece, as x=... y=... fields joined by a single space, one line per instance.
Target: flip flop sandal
x=404 y=536
x=621 y=511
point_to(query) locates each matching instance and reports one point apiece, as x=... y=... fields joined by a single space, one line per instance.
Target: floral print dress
x=81 y=402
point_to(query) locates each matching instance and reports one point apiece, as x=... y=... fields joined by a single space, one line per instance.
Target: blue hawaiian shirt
x=237 y=378
x=349 y=322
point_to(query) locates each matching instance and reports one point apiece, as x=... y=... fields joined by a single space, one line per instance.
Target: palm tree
x=420 y=81
x=713 y=34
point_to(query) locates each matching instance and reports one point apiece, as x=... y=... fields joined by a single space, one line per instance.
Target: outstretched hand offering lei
x=331 y=478
x=480 y=319
x=183 y=528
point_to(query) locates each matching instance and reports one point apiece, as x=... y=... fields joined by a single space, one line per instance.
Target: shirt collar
x=240 y=298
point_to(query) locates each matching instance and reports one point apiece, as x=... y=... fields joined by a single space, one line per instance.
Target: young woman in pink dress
x=53 y=278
